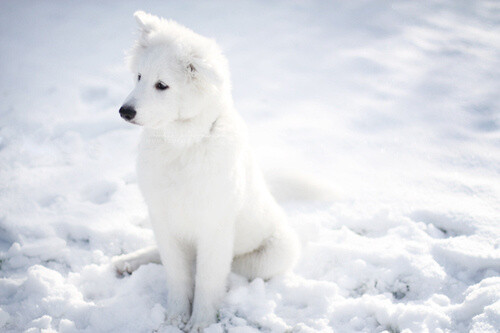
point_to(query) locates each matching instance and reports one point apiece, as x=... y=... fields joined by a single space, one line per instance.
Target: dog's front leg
x=213 y=264
x=130 y=262
x=177 y=260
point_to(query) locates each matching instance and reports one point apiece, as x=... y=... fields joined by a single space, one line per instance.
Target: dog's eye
x=139 y=77
x=161 y=86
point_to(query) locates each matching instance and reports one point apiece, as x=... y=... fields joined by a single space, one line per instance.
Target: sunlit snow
x=376 y=122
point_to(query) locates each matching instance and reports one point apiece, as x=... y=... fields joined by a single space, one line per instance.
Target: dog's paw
x=122 y=265
x=196 y=327
x=177 y=320
x=178 y=310
x=198 y=323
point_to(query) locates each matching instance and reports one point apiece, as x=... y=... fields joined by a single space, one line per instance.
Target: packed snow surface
x=377 y=124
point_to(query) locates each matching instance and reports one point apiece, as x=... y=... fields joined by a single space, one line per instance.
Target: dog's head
x=181 y=79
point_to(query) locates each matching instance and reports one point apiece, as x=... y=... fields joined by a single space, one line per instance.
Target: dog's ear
x=146 y=23
x=200 y=70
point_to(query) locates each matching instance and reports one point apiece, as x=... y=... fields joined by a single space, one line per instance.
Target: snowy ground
x=394 y=105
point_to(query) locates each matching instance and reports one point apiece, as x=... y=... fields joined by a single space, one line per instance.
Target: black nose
x=127 y=112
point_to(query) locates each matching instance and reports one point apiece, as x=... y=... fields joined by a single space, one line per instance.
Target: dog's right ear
x=147 y=23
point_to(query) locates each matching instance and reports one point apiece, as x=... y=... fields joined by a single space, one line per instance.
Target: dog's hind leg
x=276 y=255
x=131 y=261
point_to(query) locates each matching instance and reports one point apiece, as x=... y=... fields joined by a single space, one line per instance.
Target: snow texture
x=378 y=124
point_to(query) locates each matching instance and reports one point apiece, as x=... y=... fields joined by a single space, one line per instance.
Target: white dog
x=209 y=206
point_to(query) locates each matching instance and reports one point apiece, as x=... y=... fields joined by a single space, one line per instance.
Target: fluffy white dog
x=209 y=205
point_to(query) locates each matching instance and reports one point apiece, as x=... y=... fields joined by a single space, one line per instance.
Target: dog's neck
x=183 y=134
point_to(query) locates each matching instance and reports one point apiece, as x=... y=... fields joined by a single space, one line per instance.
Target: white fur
x=209 y=206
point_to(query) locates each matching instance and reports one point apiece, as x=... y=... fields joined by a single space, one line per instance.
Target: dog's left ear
x=199 y=70
x=147 y=23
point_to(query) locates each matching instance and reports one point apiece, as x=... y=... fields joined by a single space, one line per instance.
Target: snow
x=388 y=113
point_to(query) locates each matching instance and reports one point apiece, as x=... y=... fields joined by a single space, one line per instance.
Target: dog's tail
x=293 y=185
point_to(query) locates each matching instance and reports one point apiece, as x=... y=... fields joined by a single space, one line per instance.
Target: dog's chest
x=184 y=186
x=165 y=172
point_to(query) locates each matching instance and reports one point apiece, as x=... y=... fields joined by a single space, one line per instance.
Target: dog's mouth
x=133 y=122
